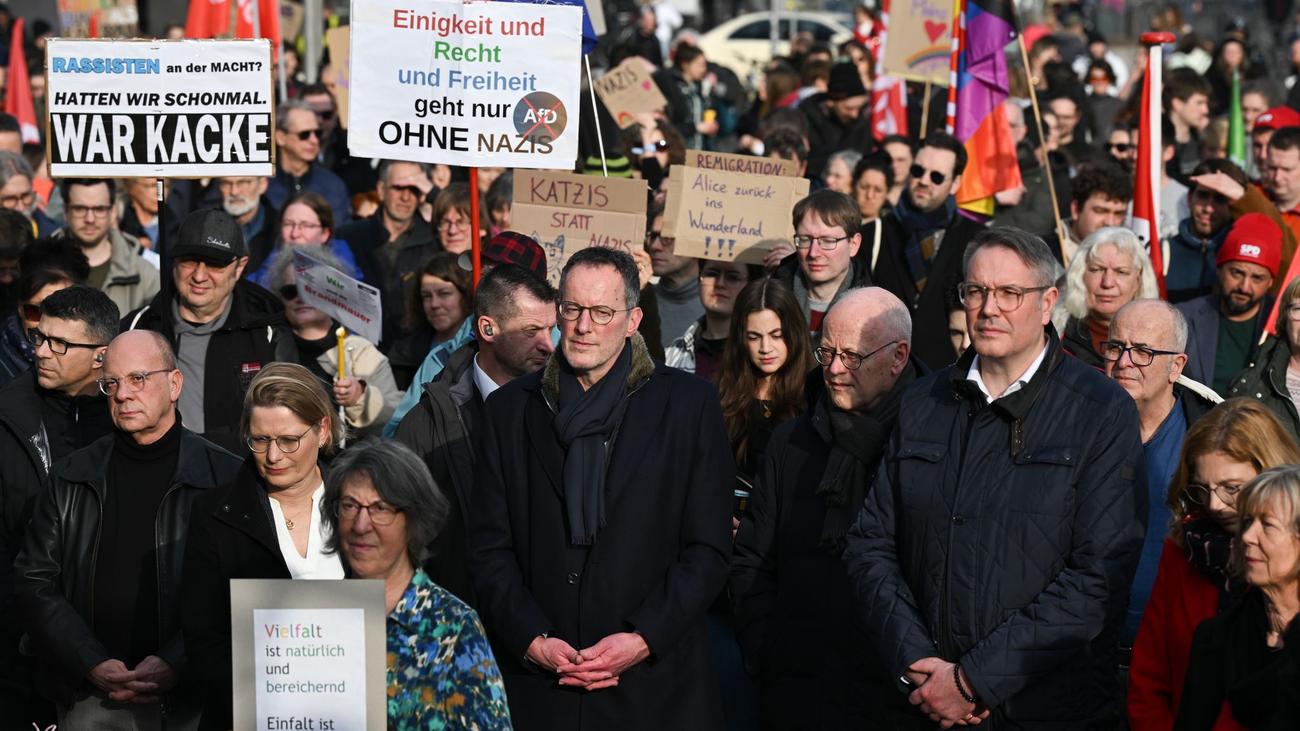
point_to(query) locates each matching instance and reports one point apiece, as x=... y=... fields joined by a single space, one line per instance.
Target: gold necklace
x=288 y=522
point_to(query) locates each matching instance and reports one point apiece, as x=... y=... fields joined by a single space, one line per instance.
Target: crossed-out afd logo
x=540 y=117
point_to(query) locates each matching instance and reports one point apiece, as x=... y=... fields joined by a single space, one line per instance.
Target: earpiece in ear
x=99 y=357
x=487 y=329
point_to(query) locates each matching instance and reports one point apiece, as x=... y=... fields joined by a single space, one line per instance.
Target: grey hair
x=849 y=157
x=282 y=112
x=1176 y=320
x=276 y=275
x=1075 y=298
x=1032 y=250
x=13 y=165
x=1278 y=485
x=387 y=165
x=401 y=479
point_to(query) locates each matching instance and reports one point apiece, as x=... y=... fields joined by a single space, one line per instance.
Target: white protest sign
x=354 y=304
x=308 y=654
x=190 y=108
x=492 y=83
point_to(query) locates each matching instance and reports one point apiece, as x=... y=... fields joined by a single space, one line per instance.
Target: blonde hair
x=1244 y=430
x=1280 y=487
x=298 y=390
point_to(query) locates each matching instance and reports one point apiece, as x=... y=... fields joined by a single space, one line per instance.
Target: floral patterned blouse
x=441 y=672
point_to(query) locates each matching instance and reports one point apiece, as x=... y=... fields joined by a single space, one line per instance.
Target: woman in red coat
x=1223 y=451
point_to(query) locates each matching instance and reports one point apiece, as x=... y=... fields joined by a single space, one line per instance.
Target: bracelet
x=956 y=679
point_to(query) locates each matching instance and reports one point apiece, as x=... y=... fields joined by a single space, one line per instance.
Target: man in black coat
x=824 y=263
x=792 y=598
x=601 y=522
x=223 y=329
x=98 y=579
x=46 y=414
x=993 y=556
x=835 y=118
x=923 y=242
x=514 y=313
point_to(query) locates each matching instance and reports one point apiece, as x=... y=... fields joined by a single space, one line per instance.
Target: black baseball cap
x=210 y=235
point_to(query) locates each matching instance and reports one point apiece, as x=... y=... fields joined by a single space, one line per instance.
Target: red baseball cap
x=1277 y=118
x=1256 y=239
x=510 y=247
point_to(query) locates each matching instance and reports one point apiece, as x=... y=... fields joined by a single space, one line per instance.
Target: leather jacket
x=55 y=573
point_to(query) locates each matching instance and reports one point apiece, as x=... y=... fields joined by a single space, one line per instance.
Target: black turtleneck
x=126 y=570
x=310 y=350
x=72 y=422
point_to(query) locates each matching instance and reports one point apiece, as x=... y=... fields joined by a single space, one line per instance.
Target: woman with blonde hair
x=265 y=525
x=1109 y=270
x=1224 y=450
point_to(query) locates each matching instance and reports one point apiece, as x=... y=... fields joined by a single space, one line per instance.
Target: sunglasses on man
x=936 y=177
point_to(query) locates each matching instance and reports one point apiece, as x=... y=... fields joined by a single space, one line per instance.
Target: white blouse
x=316 y=564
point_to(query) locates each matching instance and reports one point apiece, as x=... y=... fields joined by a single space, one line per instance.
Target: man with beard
x=245 y=200
x=1190 y=270
x=1224 y=326
x=514 y=313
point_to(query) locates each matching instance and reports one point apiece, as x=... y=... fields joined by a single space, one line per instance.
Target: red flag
x=1146 y=189
x=18 y=101
x=211 y=19
x=888 y=94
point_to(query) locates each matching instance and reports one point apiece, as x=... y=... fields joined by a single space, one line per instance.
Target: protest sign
x=918 y=45
x=471 y=84
x=126 y=109
x=729 y=216
x=729 y=163
x=565 y=213
x=628 y=90
x=308 y=654
x=356 y=305
x=339 y=41
x=98 y=19
x=291 y=17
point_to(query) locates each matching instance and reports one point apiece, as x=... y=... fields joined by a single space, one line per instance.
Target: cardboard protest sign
x=729 y=216
x=918 y=44
x=466 y=83
x=340 y=43
x=308 y=654
x=98 y=19
x=127 y=109
x=291 y=17
x=356 y=305
x=628 y=90
x=727 y=162
x=565 y=212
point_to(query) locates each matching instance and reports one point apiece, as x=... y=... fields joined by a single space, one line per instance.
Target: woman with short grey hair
x=838 y=175
x=1109 y=270
x=385 y=511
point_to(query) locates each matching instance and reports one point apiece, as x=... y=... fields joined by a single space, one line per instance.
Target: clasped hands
x=145 y=683
x=594 y=668
x=937 y=695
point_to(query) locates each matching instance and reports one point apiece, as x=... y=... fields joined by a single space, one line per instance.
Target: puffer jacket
x=1005 y=536
x=1264 y=380
x=55 y=573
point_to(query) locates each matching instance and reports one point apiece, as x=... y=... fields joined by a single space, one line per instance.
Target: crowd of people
x=919 y=468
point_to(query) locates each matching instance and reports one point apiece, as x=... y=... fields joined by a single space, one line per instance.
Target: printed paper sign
x=729 y=163
x=729 y=216
x=565 y=212
x=628 y=90
x=308 y=654
x=127 y=109
x=918 y=44
x=354 y=304
x=477 y=84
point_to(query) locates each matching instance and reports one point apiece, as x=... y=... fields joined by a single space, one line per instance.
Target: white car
x=743 y=44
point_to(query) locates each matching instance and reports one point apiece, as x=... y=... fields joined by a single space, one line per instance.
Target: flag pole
x=1047 y=161
x=475 y=249
x=1146 y=188
x=925 y=107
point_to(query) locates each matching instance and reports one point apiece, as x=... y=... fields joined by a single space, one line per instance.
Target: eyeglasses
x=137 y=381
x=32 y=313
x=410 y=190
x=448 y=224
x=287 y=444
x=89 y=211
x=304 y=226
x=825 y=243
x=1140 y=355
x=936 y=177
x=325 y=114
x=380 y=513
x=21 y=200
x=58 y=346
x=1120 y=147
x=1199 y=494
x=851 y=360
x=1008 y=299
x=600 y=314
x=306 y=134
x=289 y=292
x=729 y=277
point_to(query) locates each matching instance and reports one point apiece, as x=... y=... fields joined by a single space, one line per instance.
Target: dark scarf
x=857 y=443
x=919 y=227
x=585 y=423
x=1209 y=549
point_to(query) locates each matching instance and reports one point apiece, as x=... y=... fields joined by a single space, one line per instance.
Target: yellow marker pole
x=342 y=333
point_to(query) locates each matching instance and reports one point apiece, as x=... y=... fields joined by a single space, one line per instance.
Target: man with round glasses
x=1144 y=355
x=98 y=579
x=995 y=549
x=46 y=413
x=922 y=243
x=117 y=265
x=824 y=264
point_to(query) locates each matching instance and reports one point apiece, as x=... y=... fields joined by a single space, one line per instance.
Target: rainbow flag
x=978 y=85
